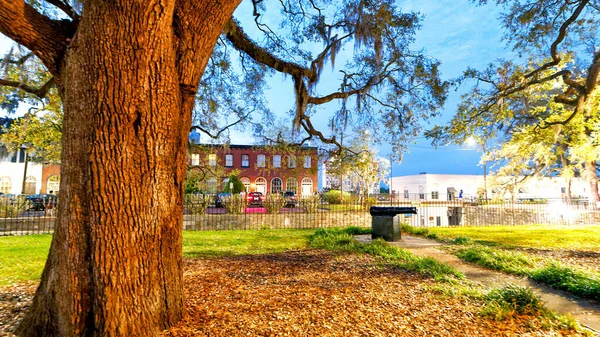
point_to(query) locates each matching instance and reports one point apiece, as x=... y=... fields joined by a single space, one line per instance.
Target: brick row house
x=261 y=168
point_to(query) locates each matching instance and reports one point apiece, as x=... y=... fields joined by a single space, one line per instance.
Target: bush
x=336 y=197
x=311 y=203
x=368 y=202
x=274 y=202
x=574 y=281
x=196 y=203
x=11 y=207
x=235 y=204
x=510 y=300
x=238 y=186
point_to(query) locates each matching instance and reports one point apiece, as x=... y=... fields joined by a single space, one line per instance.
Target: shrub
x=235 y=204
x=564 y=278
x=11 y=207
x=238 y=186
x=462 y=240
x=196 y=203
x=510 y=300
x=311 y=203
x=335 y=197
x=368 y=202
x=274 y=202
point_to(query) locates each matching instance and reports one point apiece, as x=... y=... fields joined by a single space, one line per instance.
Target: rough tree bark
x=127 y=73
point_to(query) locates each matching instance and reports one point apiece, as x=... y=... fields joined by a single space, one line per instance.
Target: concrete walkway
x=587 y=313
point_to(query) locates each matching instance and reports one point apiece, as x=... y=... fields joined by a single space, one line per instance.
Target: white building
x=448 y=187
x=12 y=171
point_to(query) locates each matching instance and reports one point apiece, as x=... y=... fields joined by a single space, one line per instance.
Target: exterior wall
x=269 y=172
x=540 y=187
x=47 y=172
x=15 y=170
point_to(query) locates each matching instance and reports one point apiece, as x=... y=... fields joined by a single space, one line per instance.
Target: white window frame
x=277 y=161
x=212 y=159
x=292 y=161
x=245 y=160
x=5 y=184
x=195 y=159
x=229 y=160
x=279 y=184
x=291 y=184
x=261 y=160
x=307 y=161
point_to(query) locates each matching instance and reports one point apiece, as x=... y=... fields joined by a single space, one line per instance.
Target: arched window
x=291 y=185
x=53 y=184
x=246 y=183
x=261 y=185
x=421 y=192
x=307 y=187
x=5 y=184
x=276 y=185
x=211 y=185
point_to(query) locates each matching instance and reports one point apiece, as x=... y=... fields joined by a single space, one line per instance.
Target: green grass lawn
x=22 y=258
x=538 y=236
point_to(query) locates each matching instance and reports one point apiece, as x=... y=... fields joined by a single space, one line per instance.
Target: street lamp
x=24 y=148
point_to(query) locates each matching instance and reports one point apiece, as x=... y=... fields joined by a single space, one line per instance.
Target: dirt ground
x=312 y=293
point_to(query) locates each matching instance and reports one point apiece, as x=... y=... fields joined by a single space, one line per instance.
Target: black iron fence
x=19 y=216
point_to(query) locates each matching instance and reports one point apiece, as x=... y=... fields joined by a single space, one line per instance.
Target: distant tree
x=556 y=42
x=235 y=185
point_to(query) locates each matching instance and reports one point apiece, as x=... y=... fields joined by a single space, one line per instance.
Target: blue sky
x=456 y=32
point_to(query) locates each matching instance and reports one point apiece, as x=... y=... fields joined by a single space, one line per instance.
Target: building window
x=195 y=159
x=421 y=193
x=211 y=185
x=563 y=190
x=212 y=160
x=291 y=185
x=276 y=186
x=5 y=184
x=307 y=161
x=246 y=182
x=229 y=160
x=261 y=185
x=307 y=186
x=406 y=196
x=53 y=184
x=435 y=195
x=245 y=160
x=30 y=185
x=292 y=162
x=260 y=160
x=277 y=161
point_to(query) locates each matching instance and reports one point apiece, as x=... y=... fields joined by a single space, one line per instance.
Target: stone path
x=585 y=312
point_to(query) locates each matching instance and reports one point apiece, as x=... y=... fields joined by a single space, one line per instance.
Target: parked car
x=255 y=199
x=219 y=198
x=39 y=201
x=290 y=199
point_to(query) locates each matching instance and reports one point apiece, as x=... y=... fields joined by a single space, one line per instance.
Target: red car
x=255 y=198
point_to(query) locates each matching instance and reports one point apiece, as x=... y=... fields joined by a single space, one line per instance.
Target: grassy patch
x=537 y=236
x=506 y=261
x=510 y=301
x=22 y=258
x=243 y=242
x=574 y=281
x=341 y=240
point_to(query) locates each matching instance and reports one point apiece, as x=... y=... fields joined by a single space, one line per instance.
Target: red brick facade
x=276 y=175
x=47 y=172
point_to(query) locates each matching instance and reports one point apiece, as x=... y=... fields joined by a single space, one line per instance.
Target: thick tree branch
x=46 y=38
x=208 y=133
x=242 y=42
x=65 y=8
x=39 y=92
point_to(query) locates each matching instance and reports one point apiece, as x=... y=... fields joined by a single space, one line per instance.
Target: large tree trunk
x=114 y=267
x=592 y=177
